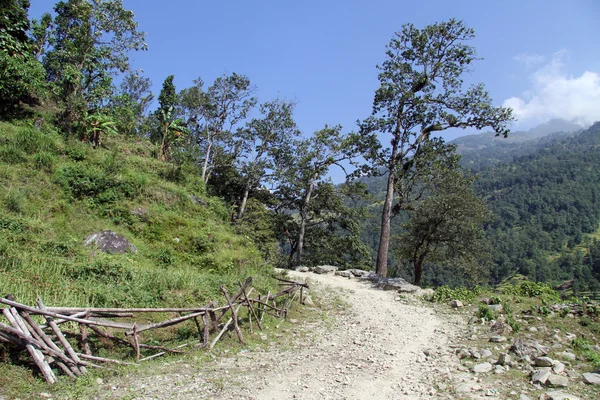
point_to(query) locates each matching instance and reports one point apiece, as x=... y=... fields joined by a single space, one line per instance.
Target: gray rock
x=198 y=200
x=464 y=388
x=302 y=269
x=109 y=242
x=391 y=283
x=591 y=378
x=140 y=211
x=485 y=353
x=558 y=367
x=557 y=381
x=325 y=269
x=456 y=304
x=501 y=328
x=408 y=288
x=560 y=396
x=541 y=375
x=357 y=272
x=543 y=362
x=307 y=300
x=345 y=274
x=523 y=397
x=499 y=369
x=568 y=355
x=483 y=368
x=529 y=348
x=504 y=359
x=498 y=339
x=370 y=276
x=496 y=307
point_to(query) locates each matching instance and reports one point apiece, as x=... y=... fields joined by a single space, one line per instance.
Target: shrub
x=445 y=293
x=14 y=201
x=533 y=289
x=485 y=312
x=12 y=155
x=44 y=161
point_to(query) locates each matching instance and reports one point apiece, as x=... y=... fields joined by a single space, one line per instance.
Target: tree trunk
x=419 y=269
x=205 y=166
x=303 y=215
x=244 y=201
x=384 y=237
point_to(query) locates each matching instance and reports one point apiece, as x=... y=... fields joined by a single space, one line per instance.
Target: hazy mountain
x=486 y=150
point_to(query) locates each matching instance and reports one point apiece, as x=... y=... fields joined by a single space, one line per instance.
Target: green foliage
x=532 y=289
x=445 y=293
x=485 y=313
x=88 y=42
x=447 y=225
x=586 y=349
x=186 y=250
x=21 y=74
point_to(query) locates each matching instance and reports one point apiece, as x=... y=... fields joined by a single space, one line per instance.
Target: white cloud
x=556 y=94
x=530 y=59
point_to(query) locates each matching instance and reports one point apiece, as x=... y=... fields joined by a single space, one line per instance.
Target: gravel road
x=377 y=346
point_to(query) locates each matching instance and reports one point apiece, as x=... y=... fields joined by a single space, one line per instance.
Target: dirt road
x=378 y=346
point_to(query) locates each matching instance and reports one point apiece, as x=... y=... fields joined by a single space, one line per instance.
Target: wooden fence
x=48 y=345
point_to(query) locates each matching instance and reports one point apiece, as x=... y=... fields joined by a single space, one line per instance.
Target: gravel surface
x=378 y=346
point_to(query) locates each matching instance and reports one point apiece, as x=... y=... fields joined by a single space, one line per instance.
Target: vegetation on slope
x=58 y=191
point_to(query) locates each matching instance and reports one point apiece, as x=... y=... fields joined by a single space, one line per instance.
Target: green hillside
x=56 y=192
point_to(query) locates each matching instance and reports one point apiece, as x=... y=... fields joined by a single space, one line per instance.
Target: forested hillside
x=543 y=192
x=546 y=205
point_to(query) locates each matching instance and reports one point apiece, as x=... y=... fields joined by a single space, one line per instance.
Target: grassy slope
x=55 y=192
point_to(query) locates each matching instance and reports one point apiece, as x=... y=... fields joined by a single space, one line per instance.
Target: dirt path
x=378 y=347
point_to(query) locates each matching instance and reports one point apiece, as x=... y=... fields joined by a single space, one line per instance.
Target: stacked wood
x=48 y=346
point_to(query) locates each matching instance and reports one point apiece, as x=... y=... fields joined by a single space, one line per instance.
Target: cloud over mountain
x=554 y=93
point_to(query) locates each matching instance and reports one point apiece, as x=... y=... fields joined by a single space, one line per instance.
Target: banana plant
x=97 y=124
x=172 y=130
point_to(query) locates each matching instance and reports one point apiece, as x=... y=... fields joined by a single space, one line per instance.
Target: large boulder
x=391 y=283
x=529 y=348
x=109 y=242
x=325 y=269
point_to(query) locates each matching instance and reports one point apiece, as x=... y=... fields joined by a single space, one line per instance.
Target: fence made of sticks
x=37 y=329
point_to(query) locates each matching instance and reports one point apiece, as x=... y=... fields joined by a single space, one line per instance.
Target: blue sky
x=540 y=56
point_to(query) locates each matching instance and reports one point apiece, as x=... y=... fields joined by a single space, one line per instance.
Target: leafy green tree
x=300 y=167
x=421 y=93
x=170 y=129
x=333 y=227
x=130 y=105
x=261 y=140
x=447 y=226
x=214 y=114
x=89 y=43
x=21 y=75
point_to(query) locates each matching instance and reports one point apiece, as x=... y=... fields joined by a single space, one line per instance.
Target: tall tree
x=300 y=167
x=214 y=114
x=421 y=93
x=130 y=105
x=170 y=129
x=261 y=140
x=89 y=43
x=447 y=226
x=21 y=75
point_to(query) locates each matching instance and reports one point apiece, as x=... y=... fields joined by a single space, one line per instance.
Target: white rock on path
x=483 y=368
x=591 y=378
